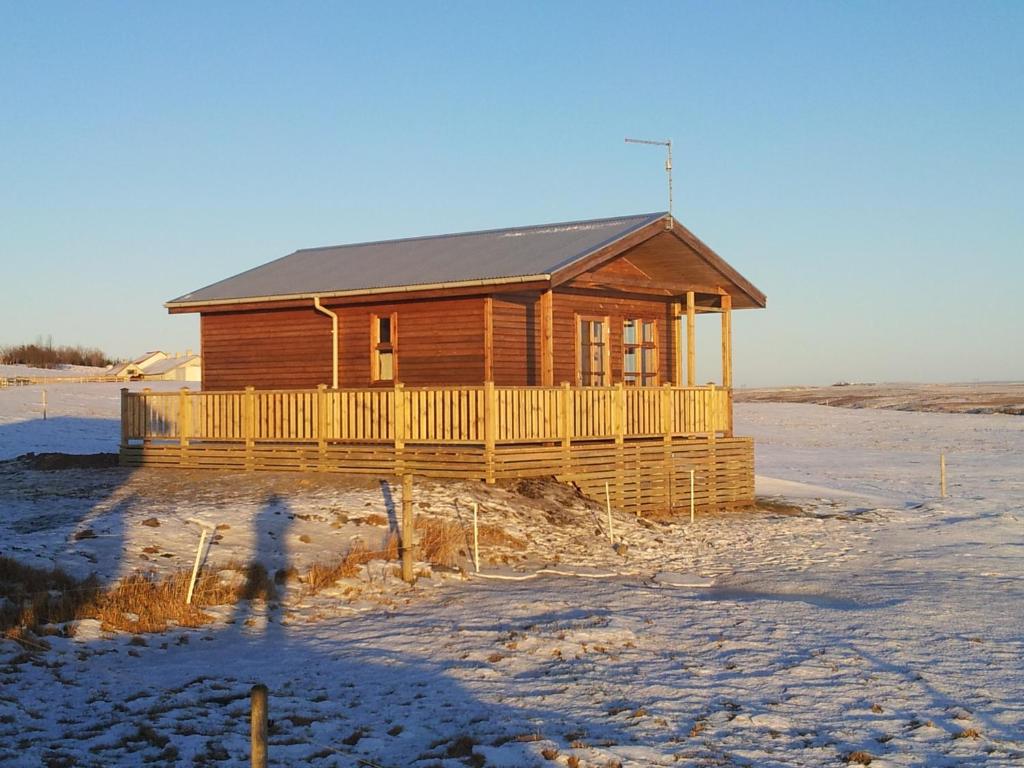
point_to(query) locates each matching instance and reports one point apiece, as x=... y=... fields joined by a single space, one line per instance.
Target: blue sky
x=861 y=163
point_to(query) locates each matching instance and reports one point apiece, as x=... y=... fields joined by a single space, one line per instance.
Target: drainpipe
x=334 y=339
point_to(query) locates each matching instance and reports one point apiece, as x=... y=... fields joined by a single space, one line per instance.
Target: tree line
x=46 y=355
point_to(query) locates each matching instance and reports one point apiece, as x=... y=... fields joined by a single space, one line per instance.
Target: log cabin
x=559 y=349
x=591 y=302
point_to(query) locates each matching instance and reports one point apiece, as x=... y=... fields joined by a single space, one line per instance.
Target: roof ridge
x=610 y=219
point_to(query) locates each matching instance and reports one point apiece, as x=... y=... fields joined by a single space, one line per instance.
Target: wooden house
x=560 y=349
x=588 y=302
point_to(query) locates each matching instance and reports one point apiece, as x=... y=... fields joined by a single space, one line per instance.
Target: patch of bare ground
x=1006 y=398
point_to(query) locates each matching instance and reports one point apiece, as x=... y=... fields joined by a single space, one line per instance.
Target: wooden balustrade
x=485 y=415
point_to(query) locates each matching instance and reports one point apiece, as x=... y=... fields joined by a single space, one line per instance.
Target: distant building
x=159 y=366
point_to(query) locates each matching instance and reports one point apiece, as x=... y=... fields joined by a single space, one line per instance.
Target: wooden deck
x=642 y=442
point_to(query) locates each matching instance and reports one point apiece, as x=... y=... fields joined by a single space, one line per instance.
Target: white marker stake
x=691 y=495
x=476 y=538
x=44 y=405
x=608 y=504
x=195 y=568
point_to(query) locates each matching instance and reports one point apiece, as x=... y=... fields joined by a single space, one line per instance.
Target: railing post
x=408 y=531
x=490 y=427
x=125 y=427
x=398 y=427
x=321 y=426
x=184 y=417
x=712 y=474
x=249 y=424
x=667 y=417
x=619 y=426
x=565 y=426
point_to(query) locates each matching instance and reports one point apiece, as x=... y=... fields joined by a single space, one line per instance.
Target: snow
x=61 y=371
x=874 y=617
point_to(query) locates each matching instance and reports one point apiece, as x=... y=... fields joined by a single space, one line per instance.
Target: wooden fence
x=641 y=441
x=485 y=415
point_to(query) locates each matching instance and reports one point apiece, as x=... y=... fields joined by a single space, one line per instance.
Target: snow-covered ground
x=881 y=620
x=61 y=371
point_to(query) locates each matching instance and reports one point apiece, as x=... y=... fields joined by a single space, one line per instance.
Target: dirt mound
x=55 y=461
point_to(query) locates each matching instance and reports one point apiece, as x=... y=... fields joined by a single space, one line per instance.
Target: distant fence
x=26 y=381
x=642 y=442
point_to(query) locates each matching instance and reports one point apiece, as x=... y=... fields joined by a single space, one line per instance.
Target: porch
x=640 y=441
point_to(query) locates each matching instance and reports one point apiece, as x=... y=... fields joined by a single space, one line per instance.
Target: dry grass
x=323 y=575
x=439 y=540
x=39 y=599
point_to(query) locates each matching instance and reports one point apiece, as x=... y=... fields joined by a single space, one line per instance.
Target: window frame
x=606 y=352
x=640 y=345
x=377 y=346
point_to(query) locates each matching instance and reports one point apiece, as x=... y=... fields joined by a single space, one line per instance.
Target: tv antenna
x=668 y=168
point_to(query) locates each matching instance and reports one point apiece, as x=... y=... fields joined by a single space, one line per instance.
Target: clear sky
x=862 y=163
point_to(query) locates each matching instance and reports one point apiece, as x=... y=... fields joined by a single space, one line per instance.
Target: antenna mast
x=668 y=168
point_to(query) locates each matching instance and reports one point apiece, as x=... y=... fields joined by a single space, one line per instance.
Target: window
x=384 y=347
x=640 y=353
x=592 y=364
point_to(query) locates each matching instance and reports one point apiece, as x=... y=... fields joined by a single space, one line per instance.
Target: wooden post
x=400 y=427
x=619 y=426
x=565 y=422
x=547 y=352
x=691 y=340
x=195 y=567
x=691 y=497
x=712 y=474
x=667 y=427
x=258 y=726
x=408 y=530
x=321 y=426
x=125 y=411
x=249 y=425
x=184 y=416
x=677 y=343
x=476 y=537
x=608 y=506
x=727 y=341
x=488 y=338
x=942 y=475
x=44 y=405
x=490 y=427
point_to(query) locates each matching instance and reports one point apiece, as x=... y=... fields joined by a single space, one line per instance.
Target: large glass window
x=384 y=347
x=592 y=365
x=640 y=352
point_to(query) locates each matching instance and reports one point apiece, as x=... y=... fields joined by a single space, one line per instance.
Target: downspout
x=334 y=339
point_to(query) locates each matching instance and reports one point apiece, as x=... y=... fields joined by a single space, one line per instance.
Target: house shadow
x=343 y=690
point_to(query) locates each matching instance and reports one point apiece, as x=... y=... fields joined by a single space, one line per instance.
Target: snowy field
x=880 y=620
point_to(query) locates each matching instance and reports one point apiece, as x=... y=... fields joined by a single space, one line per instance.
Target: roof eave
x=415 y=288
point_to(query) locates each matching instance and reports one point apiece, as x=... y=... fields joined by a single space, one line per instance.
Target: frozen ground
x=880 y=620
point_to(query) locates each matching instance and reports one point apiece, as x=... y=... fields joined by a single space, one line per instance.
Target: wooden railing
x=485 y=415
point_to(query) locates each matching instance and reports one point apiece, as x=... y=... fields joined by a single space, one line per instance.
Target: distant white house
x=159 y=366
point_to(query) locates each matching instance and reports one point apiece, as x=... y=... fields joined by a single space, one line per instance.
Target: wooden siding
x=517 y=339
x=438 y=340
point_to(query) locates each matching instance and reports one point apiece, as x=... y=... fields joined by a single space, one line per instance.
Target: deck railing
x=484 y=415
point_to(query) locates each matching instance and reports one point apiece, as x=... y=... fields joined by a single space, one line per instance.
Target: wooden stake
x=476 y=537
x=608 y=504
x=942 y=475
x=258 y=726
x=408 y=534
x=691 y=496
x=195 y=567
x=44 y=405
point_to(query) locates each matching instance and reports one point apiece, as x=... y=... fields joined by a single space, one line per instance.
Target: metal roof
x=498 y=255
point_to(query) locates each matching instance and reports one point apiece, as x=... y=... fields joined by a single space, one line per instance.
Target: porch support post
x=677 y=344
x=727 y=341
x=547 y=352
x=488 y=338
x=691 y=340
